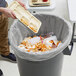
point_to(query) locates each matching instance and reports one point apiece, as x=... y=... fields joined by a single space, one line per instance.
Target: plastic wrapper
x=60 y=27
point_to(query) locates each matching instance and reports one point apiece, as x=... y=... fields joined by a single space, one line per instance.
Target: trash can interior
x=50 y=23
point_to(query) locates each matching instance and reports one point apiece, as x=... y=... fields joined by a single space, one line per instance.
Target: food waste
x=39 y=43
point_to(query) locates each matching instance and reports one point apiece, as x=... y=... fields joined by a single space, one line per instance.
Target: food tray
x=39 y=3
x=25 y=16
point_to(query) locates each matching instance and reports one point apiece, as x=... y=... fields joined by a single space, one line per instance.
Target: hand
x=9 y=13
x=21 y=3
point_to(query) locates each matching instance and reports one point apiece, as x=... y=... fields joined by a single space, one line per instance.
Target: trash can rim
x=67 y=41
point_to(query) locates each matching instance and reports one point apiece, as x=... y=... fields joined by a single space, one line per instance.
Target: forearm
x=1 y=9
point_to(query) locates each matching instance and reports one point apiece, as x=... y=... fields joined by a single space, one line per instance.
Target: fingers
x=25 y=7
x=22 y=4
x=13 y=15
x=9 y=13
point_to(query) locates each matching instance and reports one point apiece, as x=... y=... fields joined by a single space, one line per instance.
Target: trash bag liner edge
x=44 y=55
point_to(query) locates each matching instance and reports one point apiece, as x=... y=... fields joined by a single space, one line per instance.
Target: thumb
x=13 y=15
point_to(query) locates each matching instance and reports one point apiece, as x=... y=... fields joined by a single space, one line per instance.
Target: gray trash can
x=47 y=64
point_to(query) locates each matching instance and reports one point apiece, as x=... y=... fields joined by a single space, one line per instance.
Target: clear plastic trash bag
x=50 y=23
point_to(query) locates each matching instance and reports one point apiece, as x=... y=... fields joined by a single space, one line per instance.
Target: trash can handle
x=68 y=49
